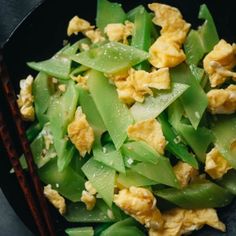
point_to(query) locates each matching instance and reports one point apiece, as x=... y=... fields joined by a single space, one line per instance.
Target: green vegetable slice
x=111 y=57
x=161 y=172
x=90 y=110
x=108 y=13
x=201 y=41
x=109 y=156
x=194 y=100
x=42 y=91
x=225 y=134
x=198 y=139
x=59 y=65
x=60 y=114
x=116 y=116
x=141 y=38
x=153 y=106
x=77 y=212
x=67 y=182
x=33 y=131
x=174 y=145
x=228 y=181
x=197 y=195
x=41 y=155
x=102 y=178
x=80 y=231
x=140 y=151
x=126 y=227
x=132 y=178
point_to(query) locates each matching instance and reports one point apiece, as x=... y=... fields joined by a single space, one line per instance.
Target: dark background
x=11 y=13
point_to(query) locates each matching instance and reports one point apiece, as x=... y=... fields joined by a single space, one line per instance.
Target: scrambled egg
x=219 y=62
x=89 y=187
x=77 y=25
x=81 y=81
x=118 y=32
x=216 y=166
x=185 y=173
x=94 y=35
x=138 y=83
x=55 y=198
x=181 y=221
x=166 y=50
x=222 y=101
x=150 y=132
x=48 y=139
x=80 y=133
x=88 y=199
x=25 y=99
x=140 y=204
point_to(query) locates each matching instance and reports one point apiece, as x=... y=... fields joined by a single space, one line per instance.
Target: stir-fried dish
x=134 y=126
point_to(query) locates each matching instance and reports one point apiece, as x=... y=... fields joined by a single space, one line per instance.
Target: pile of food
x=134 y=124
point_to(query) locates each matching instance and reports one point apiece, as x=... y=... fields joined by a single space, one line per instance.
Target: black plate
x=41 y=34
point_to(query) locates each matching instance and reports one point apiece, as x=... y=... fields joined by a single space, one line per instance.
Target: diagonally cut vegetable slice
x=123 y=228
x=198 y=139
x=197 y=195
x=225 y=134
x=161 y=172
x=67 y=182
x=90 y=110
x=59 y=65
x=42 y=91
x=80 y=231
x=108 y=12
x=194 y=100
x=60 y=113
x=140 y=151
x=228 y=181
x=153 y=106
x=141 y=38
x=112 y=159
x=201 y=41
x=174 y=145
x=77 y=212
x=102 y=178
x=132 y=178
x=111 y=57
x=115 y=114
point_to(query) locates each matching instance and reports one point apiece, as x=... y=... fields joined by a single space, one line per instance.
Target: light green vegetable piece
x=102 y=178
x=60 y=113
x=42 y=91
x=108 y=12
x=132 y=178
x=126 y=227
x=67 y=182
x=198 y=139
x=225 y=134
x=112 y=159
x=139 y=151
x=80 y=231
x=197 y=195
x=77 y=212
x=116 y=116
x=194 y=100
x=111 y=57
x=162 y=172
x=59 y=65
x=153 y=106
x=201 y=41
x=141 y=37
x=40 y=154
x=90 y=110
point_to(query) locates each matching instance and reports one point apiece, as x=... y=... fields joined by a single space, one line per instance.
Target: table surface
x=11 y=13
